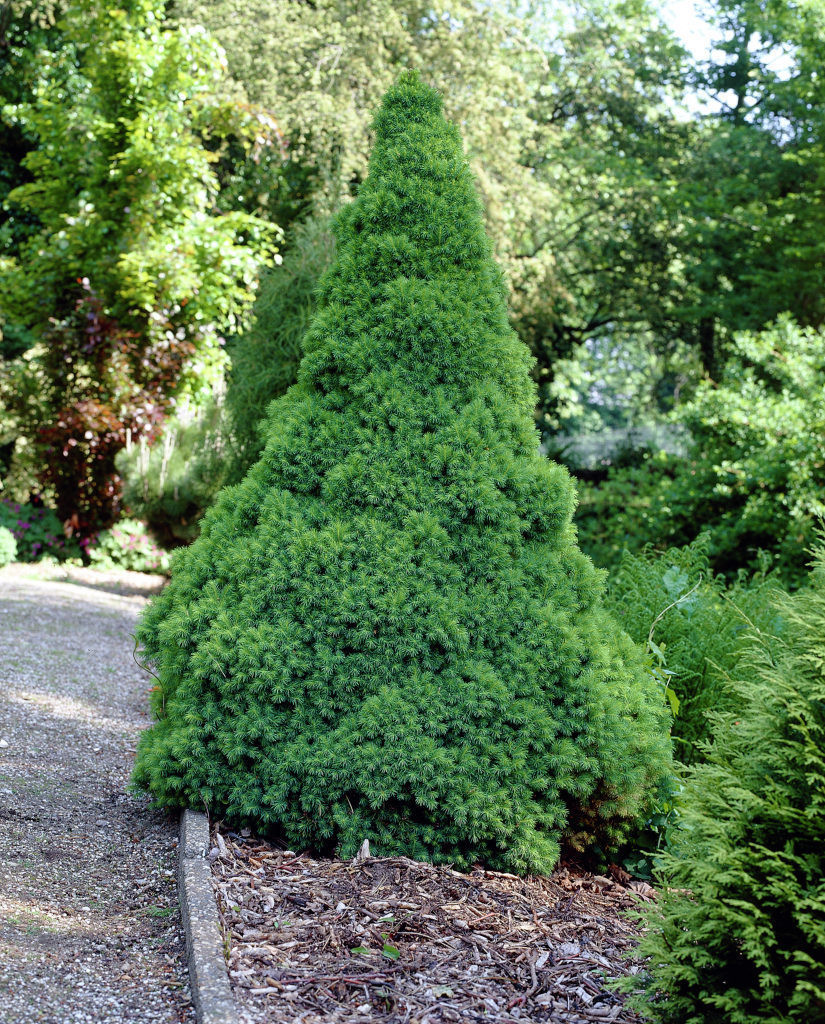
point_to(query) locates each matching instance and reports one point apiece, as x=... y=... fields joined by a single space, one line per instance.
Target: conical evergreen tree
x=386 y=630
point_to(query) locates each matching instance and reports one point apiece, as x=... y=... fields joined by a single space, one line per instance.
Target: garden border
x=208 y=977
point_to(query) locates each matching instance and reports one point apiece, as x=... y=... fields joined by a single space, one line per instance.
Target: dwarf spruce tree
x=386 y=630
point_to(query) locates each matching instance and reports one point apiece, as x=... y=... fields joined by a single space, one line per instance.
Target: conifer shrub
x=386 y=630
x=8 y=547
x=695 y=626
x=265 y=358
x=738 y=934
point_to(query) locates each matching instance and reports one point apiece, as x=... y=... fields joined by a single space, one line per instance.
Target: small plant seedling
x=160 y=911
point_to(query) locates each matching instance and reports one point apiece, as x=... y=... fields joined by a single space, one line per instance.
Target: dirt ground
x=395 y=940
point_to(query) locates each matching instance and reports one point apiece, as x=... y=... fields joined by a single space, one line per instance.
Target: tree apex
x=409 y=99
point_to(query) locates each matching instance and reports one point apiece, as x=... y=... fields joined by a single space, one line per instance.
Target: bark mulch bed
x=392 y=939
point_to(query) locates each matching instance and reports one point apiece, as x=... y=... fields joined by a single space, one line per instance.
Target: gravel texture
x=89 y=920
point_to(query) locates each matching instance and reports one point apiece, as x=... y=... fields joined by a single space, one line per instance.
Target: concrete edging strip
x=208 y=977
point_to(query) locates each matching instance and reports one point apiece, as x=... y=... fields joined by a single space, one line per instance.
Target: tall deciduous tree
x=387 y=631
x=752 y=195
x=132 y=275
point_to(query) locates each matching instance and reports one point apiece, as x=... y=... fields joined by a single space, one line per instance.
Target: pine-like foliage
x=265 y=359
x=738 y=936
x=386 y=630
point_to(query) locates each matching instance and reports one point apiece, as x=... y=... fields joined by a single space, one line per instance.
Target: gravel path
x=89 y=920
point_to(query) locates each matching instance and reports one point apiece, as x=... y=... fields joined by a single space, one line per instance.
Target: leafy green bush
x=622 y=510
x=8 y=546
x=265 y=360
x=37 y=531
x=128 y=545
x=738 y=934
x=694 y=626
x=755 y=475
x=386 y=630
x=171 y=483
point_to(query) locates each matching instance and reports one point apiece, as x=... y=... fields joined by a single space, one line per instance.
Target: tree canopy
x=125 y=277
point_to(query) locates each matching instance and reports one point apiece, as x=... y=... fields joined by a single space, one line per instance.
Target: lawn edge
x=208 y=977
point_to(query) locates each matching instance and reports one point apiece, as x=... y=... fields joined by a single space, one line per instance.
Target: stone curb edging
x=208 y=978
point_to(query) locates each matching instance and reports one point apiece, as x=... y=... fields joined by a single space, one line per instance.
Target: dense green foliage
x=386 y=630
x=129 y=276
x=8 y=546
x=694 y=626
x=755 y=472
x=265 y=359
x=738 y=933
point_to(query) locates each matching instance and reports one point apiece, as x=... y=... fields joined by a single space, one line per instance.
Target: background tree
x=24 y=27
x=753 y=191
x=132 y=275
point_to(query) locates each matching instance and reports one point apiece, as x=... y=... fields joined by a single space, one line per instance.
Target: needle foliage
x=386 y=630
x=738 y=934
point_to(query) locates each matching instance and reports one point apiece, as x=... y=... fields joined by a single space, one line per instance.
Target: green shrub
x=265 y=360
x=755 y=473
x=37 y=532
x=171 y=483
x=694 y=626
x=386 y=630
x=8 y=547
x=622 y=511
x=738 y=934
x=128 y=545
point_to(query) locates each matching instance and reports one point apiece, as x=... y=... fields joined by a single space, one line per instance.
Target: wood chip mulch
x=392 y=939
